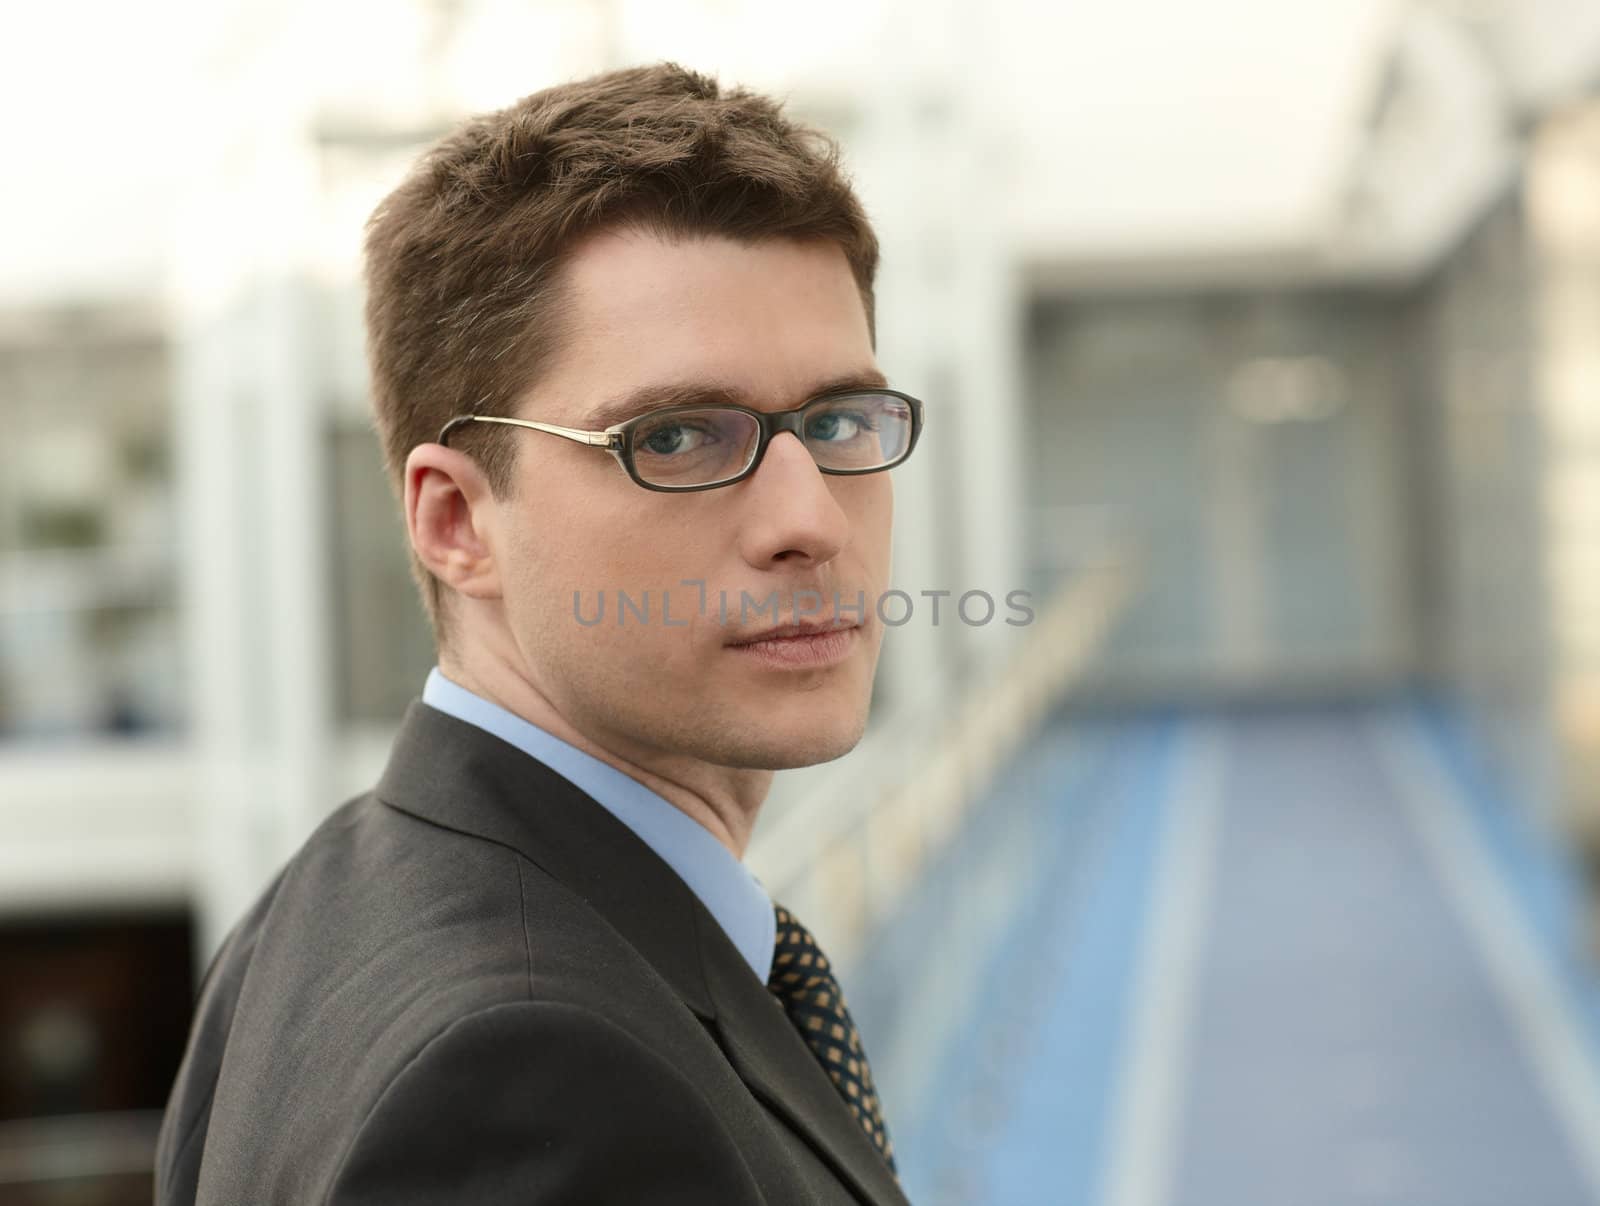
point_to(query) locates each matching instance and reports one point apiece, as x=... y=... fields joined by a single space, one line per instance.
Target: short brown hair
x=463 y=259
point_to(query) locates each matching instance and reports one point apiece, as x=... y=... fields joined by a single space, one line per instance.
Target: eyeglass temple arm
x=602 y=439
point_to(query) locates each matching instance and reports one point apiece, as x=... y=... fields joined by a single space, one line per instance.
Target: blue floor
x=1343 y=1037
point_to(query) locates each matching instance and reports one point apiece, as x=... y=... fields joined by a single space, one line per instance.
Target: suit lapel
x=772 y=1059
x=455 y=774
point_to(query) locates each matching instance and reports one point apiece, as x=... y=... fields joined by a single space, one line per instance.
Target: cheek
x=594 y=532
x=873 y=513
x=559 y=578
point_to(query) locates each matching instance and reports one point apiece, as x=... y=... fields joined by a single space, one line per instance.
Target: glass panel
x=88 y=616
x=381 y=634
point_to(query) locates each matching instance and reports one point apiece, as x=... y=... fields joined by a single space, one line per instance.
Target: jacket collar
x=454 y=774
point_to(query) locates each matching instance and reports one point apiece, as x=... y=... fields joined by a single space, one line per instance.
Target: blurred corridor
x=1288 y=955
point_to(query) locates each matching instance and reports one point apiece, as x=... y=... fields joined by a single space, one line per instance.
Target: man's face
x=775 y=322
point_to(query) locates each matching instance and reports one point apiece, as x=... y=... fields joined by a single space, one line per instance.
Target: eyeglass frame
x=618 y=438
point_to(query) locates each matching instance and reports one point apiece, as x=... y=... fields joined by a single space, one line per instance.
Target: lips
x=809 y=647
x=805 y=628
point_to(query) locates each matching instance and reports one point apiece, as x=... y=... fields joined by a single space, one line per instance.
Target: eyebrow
x=646 y=398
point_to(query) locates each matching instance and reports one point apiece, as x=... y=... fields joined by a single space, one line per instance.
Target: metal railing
x=105 y=1159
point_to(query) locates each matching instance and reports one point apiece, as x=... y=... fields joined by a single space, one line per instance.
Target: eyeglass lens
x=858 y=432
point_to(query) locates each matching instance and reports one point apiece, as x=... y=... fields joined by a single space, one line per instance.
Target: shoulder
x=398 y=913
x=389 y=952
x=540 y=1101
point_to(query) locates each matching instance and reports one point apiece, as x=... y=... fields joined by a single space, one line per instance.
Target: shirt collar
x=728 y=889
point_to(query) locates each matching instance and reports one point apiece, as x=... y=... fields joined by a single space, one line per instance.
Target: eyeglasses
x=683 y=448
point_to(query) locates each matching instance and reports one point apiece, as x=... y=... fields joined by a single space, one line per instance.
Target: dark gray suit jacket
x=476 y=985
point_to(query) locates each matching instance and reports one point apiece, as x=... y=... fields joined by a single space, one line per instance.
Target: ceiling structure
x=1248 y=140
x=1238 y=139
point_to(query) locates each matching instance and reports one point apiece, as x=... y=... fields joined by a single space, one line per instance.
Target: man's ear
x=449 y=510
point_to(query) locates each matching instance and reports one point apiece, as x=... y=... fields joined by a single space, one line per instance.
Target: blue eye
x=839 y=425
x=670 y=439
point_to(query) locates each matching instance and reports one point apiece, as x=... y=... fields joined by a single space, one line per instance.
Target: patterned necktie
x=811 y=997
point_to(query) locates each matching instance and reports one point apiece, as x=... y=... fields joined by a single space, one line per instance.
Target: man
x=623 y=367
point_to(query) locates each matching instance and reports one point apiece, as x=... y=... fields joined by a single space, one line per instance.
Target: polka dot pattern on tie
x=804 y=983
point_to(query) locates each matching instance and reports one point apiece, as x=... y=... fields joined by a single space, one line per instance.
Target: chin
x=802 y=741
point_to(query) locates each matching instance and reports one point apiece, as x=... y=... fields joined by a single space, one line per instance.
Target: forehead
x=642 y=308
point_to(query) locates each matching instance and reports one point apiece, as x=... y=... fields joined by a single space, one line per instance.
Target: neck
x=723 y=800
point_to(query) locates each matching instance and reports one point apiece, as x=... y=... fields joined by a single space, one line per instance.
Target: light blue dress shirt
x=729 y=890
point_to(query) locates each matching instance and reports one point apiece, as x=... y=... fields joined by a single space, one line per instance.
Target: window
x=88 y=618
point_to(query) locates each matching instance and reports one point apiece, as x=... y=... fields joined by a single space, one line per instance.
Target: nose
x=793 y=517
